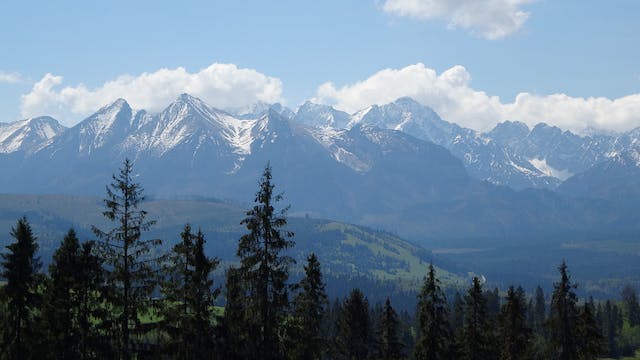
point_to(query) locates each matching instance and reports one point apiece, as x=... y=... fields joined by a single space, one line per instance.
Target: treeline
x=120 y=296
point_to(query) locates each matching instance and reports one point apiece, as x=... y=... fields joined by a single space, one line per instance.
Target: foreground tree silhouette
x=188 y=307
x=630 y=299
x=354 y=338
x=514 y=332
x=477 y=333
x=131 y=264
x=309 y=308
x=563 y=318
x=72 y=300
x=264 y=270
x=434 y=335
x=388 y=344
x=20 y=268
x=590 y=339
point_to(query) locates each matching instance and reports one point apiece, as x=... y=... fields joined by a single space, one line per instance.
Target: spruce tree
x=20 y=269
x=477 y=332
x=354 y=339
x=309 y=308
x=611 y=319
x=189 y=297
x=590 y=339
x=131 y=262
x=388 y=344
x=563 y=318
x=265 y=269
x=630 y=300
x=514 y=332
x=539 y=311
x=434 y=335
x=72 y=300
x=235 y=323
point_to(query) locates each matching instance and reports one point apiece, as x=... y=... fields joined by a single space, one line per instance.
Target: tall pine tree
x=590 y=339
x=235 y=323
x=354 y=338
x=20 y=269
x=563 y=318
x=309 y=308
x=477 y=331
x=131 y=261
x=514 y=332
x=630 y=300
x=265 y=269
x=434 y=334
x=188 y=292
x=388 y=344
x=72 y=301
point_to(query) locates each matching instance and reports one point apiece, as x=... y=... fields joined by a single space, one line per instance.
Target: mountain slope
x=28 y=135
x=344 y=250
x=483 y=158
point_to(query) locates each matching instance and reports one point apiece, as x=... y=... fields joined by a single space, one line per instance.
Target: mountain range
x=397 y=167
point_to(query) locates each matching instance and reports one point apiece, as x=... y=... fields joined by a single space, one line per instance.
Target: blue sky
x=571 y=63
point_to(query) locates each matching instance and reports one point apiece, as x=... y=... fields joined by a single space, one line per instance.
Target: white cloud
x=491 y=19
x=10 y=77
x=220 y=85
x=451 y=95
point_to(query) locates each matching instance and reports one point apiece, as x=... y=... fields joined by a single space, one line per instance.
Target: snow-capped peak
x=28 y=135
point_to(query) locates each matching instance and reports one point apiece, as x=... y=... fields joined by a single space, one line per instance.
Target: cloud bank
x=223 y=86
x=490 y=19
x=450 y=95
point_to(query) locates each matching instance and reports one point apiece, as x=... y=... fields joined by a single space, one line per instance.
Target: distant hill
x=344 y=250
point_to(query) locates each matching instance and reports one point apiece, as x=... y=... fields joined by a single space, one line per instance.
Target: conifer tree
x=20 y=269
x=309 y=308
x=539 y=311
x=354 y=340
x=131 y=262
x=434 y=335
x=72 y=300
x=264 y=269
x=630 y=299
x=590 y=340
x=611 y=320
x=388 y=344
x=563 y=318
x=189 y=297
x=235 y=322
x=514 y=332
x=477 y=338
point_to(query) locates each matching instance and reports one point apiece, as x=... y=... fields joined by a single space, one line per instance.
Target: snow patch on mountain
x=543 y=167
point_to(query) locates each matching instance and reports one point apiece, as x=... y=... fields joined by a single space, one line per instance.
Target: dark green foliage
x=477 y=342
x=131 y=262
x=188 y=298
x=237 y=344
x=309 y=308
x=21 y=297
x=73 y=301
x=434 y=335
x=354 y=338
x=563 y=318
x=590 y=340
x=611 y=319
x=539 y=311
x=264 y=269
x=630 y=300
x=514 y=332
x=493 y=303
x=388 y=344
